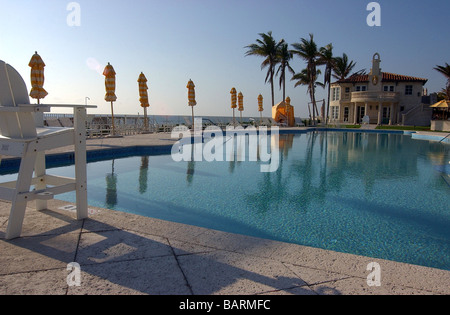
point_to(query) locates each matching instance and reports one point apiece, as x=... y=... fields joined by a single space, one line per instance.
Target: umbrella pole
x=234 y=119
x=192 y=117
x=112 y=120
x=145 y=120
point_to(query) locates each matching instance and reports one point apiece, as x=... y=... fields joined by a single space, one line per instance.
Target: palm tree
x=268 y=48
x=284 y=56
x=304 y=78
x=342 y=67
x=445 y=70
x=307 y=50
x=326 y=58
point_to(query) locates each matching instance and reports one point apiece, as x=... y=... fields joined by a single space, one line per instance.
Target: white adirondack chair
x=23 y=135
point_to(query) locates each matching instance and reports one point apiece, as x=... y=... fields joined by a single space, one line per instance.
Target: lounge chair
x=53 y=122
x=299 y=122
x=22 y=134
x=66 y=122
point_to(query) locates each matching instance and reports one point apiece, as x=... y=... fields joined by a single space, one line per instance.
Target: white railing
x=373 y=96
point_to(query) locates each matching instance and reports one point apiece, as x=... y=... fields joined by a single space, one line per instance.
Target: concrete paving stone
x=155 y=276
x=3 y=221
x=313 y=276
x=358 y=286
x=119 y=245
x=47 y=282
x=45 y=222
x=222 y=272
x=186 y=248
x=5 y=208
x=37 y=253
x=354 y=265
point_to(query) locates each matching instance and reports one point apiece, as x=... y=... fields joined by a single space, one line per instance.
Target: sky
x=173 y=41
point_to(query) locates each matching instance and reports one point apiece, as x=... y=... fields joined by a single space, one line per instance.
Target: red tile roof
x=387 y=77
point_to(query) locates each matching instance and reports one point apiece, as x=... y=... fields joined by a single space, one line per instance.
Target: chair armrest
x=25 y=108
x=70 y=105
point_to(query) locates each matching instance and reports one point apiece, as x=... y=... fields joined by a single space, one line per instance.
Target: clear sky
x=172 y=41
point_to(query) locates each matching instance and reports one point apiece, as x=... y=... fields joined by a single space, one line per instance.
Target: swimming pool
x=373 y=194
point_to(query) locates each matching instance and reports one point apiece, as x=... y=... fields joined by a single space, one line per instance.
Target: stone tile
x=37 y=253
x=359 y=286
x=314 y=276
x=155 y=276
x=222 y=272
x=45 y=222
x=119 y=245
x=48 y=282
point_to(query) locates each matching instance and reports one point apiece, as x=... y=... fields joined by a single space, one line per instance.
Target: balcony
x=374 y=96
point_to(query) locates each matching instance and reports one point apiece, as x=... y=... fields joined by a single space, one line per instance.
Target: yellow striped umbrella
x=143 y=94
x=233 y=103
x=260 y=106
x=37 y=77
x=233 y=98
x=260 y=103
x=110 y=85
x=143 y=97
x=191 y=98
x=241 y=103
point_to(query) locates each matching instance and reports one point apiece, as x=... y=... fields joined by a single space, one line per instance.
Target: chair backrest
x=13 y=91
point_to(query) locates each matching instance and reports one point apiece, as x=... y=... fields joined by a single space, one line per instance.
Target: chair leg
x=80 y=162
x=39 y=170
x=18 y=206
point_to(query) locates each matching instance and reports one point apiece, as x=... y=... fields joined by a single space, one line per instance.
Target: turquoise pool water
x=379 y=195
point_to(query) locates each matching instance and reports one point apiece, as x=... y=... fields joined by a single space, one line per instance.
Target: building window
x=388 y=88
x=336 y=94
x=346 y=113
x=347 y=93
x=334 y=112
x=408 y=90
x=361 y=88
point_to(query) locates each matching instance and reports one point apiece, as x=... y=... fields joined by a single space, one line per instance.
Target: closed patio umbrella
x=143 y=97
x=260 y=106
x=37 y=78
x=233 y=103
x=191 y=98
x=241 y=103
x=110 y=85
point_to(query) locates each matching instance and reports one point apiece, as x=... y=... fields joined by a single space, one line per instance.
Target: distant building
x=380 y=98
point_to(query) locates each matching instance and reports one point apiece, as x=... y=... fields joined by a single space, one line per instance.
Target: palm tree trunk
x=328 y=105
x=273 y=95
x=313 y=100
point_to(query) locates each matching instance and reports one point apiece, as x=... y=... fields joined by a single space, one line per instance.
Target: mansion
x=380 y=98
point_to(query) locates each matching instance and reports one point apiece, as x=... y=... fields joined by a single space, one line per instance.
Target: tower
x=375 y=74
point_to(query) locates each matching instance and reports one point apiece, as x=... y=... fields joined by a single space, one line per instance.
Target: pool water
x=379 y=195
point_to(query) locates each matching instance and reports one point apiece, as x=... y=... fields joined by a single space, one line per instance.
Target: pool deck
x=122 y=253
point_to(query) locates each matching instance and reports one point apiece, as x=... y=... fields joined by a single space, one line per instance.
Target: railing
x=374 y=96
